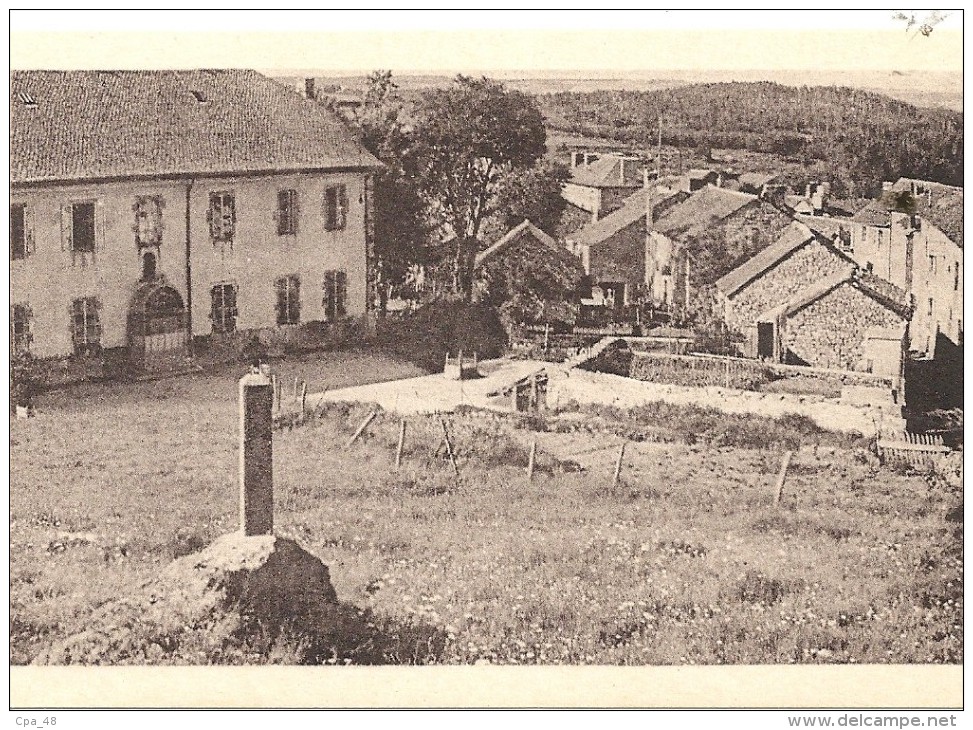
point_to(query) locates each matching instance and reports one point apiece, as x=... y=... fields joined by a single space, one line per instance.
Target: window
x=881 y=238
x=86 y=326
x=223 y=309
x=335 y=295
x=20 y=337
x=929 y=307
x=222 y=217
x=932 y=264
x=83 y=227
x=288 y=299
x=956 y=276
x=148 y=220
x=869 y=266
x=286 y=214
x=20 y=237
x=335 y=207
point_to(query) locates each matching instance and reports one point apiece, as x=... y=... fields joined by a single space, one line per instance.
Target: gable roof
x=885 y=293
x=633 y=208
x=795 y=236
x=701 y=210
x=118 y=124
x=941 y=205
x=515 y=235
x=757 y=179
x=605 y=172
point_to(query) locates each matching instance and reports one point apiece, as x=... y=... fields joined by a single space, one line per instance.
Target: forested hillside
x=865 y=137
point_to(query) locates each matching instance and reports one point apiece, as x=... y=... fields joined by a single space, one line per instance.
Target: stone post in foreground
x=256 y=454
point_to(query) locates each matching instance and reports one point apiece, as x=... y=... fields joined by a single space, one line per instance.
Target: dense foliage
x=865 y=137
x=468 y=136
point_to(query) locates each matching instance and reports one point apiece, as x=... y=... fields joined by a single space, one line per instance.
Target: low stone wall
x=587 y=387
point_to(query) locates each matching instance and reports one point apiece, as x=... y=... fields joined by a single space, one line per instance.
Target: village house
x=600 y=184
x=913 y=237
x=151 y=209
x=802 y=301
x=711 y=223
x=613 y=250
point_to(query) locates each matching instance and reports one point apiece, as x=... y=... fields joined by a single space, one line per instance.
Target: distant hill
x=938 y=89
x=864 y=137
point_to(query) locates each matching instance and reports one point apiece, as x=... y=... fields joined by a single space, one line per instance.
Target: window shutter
x=341 y=293
x=67 y=227
x=296 y=297
x=280 y=286
x=342 y=206
x=28 y=230
x=99 y=242
x=214 y=305
x=295 y=208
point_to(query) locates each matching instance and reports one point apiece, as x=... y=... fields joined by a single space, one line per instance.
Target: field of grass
x=685 y=561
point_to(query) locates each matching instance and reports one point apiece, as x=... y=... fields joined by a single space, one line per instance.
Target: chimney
x=309 y=87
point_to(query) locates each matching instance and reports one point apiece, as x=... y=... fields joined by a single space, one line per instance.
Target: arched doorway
x=157 y=326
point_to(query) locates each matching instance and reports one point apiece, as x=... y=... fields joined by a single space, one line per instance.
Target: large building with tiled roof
x=599 y=185
x=152 y=208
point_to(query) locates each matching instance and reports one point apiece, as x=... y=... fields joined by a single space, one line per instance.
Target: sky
x=436 y=41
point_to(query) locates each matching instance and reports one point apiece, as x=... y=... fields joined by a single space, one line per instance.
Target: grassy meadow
x=685 y=561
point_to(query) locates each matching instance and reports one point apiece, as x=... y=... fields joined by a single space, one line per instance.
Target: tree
x=468 y=136
x=401 y=216
x=531 y=193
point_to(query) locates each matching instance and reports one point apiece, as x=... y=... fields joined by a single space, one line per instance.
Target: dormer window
x=200 y=96
x=27 y=99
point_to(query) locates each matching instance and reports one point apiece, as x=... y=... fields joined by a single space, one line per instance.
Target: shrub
x=24 y=380
x=446 y=327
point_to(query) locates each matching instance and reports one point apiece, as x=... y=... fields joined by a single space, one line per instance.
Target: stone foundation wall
x=586 y=387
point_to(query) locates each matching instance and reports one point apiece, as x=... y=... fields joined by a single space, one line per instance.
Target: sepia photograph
x=484 y=341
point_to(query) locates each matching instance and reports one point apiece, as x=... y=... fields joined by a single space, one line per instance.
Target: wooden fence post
x=303 y=397
x=779 y=491
x=530 y=459
x=618 y=466
x=256 y=454
x=361 y=429
x=297 y=387
x=398 y=450
x=449 y=447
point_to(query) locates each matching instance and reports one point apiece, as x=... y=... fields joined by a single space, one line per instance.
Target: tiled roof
x=701 y=210
x=632 y=209
x=757 y=179
x=516 y=236
x=941 y=205
x=116 y=124
x=605 y=172
x=794 y=237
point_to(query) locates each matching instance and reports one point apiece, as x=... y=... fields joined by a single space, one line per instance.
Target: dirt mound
x=239 y=600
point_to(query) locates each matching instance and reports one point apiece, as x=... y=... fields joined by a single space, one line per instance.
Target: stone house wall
x=830 y=331
x=785 y=279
